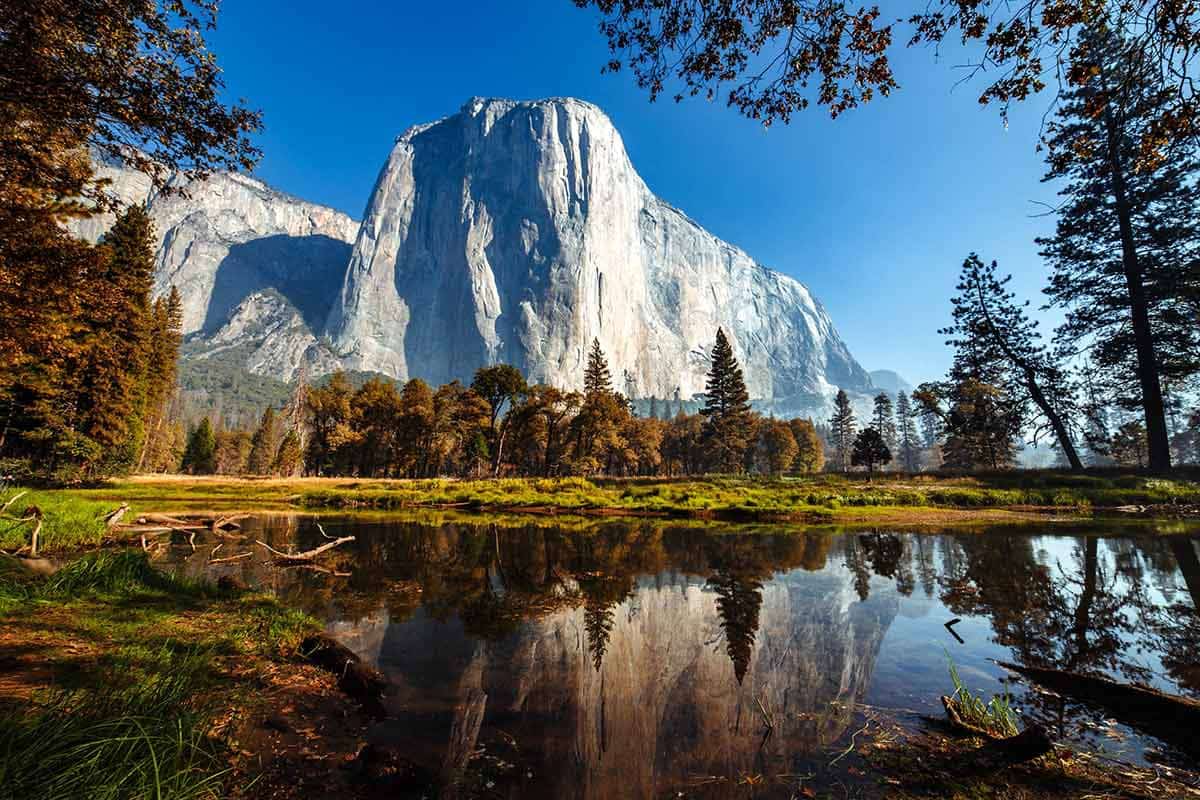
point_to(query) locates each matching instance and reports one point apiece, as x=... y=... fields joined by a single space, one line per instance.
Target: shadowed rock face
x=229 y=237
x=517 y=232
x=665 y=704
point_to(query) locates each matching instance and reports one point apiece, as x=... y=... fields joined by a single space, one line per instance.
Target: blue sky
x=874 y=211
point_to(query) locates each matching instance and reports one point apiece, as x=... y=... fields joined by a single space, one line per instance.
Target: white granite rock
x=518 y=231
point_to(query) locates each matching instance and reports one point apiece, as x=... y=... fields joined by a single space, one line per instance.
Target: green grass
x=137 y=741
x=70 y=521
x=132 y=717
x=812 y=499
x=995 y=716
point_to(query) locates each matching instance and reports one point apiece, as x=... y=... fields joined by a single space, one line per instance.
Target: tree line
x=502 y=425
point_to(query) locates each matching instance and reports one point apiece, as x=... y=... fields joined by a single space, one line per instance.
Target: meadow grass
x=817 y=499
x=70 y=520
x=132 y=717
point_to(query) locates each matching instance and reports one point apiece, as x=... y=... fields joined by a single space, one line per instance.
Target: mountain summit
x=509 y=232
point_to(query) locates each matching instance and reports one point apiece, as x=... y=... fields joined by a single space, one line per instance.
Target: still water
x=643 y=660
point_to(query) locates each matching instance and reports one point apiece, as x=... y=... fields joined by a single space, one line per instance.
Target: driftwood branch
x=307 y=555
x=113 y=518
x=12 y=500
x=229 y=559
x=1029 y=743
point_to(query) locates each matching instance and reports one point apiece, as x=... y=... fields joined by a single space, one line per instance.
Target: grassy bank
x=70 y=520
x=117 y=681
x=815 y=499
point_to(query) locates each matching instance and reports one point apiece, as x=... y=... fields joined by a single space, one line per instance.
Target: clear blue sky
x=874 y=211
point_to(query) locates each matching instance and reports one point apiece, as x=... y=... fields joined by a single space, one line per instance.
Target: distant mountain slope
x=889 y=381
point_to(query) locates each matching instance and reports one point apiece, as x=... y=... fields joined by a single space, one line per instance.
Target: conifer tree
x=884 y=419
x=727 y=416
x=907 y=439
x=112 y=393
x=161 y=370
x=870 y=450
x=596 y=377
x=842 y=428
x=200 y=455
x=1129 y=218
x=264 y=445
x=986 y=312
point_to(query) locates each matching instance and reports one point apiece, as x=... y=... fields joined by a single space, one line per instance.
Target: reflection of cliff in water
x=665 y=704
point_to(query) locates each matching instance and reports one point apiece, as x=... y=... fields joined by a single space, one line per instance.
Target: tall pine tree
x=728 y=422
x=1123 y=251
x=884 y=419
x=596 y=377
x=985 y=311
x=907 y=441
x=842 y=429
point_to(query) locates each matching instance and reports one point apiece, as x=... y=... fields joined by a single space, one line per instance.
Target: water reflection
x=642 y=659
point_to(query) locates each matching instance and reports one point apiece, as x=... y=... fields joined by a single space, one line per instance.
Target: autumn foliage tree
x=773 y=58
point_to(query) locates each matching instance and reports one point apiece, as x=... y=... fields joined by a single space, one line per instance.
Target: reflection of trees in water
x=1071 y=614
x=739 y=597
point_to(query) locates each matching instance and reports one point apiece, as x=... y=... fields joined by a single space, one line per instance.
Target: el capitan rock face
x=518 y=231
x=509 y=232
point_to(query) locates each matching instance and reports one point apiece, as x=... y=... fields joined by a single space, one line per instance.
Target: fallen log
x=1029 y=743
x=162 y=519
x=1169 y=717
x=307 y=555
x=229 y=559
x=357 y=679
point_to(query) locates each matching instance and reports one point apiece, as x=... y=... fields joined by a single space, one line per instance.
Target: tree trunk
x=1056 y=422
x=1143 y=337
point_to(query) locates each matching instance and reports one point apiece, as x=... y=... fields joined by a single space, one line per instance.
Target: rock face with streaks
x=509 y=232
x=518 y=231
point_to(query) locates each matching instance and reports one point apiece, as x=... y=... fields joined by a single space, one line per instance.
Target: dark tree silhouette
x=985 y=309
x=1129 y=218
x=739 y=598
x=870 y=451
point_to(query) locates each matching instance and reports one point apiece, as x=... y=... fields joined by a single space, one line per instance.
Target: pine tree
x=112 y=381
x=264 y=445
x=200 y=455
x=1130 y=217
x=842 y=427
x=907 y=439
x=596 y=377
x=884 y=419
x=728 y=420
x=870 y=450
x=161 y=388
x=988 y=314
